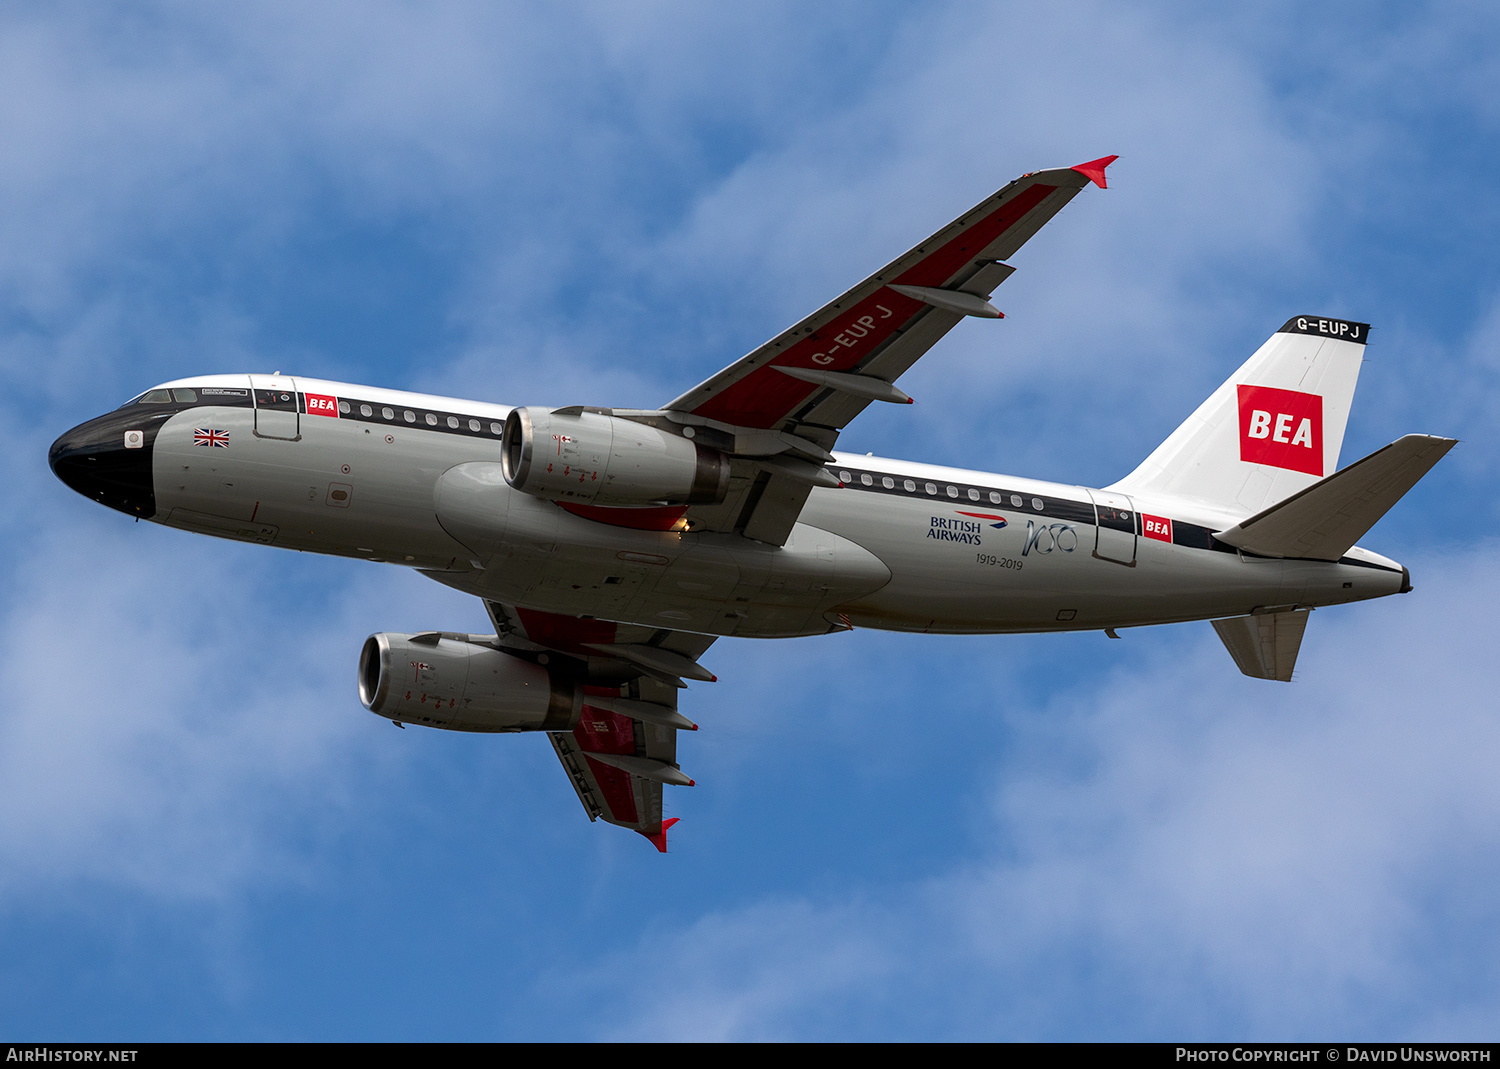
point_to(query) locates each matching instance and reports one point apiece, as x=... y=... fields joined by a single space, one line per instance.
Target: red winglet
x=1094 y=169
x=659 y=840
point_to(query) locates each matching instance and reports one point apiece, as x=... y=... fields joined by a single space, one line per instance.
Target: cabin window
x=474 y=425
x=888 y=483
x=453 y=423
x=910 y=486
x=387 y=413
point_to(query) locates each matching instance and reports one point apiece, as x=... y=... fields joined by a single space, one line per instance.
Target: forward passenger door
x=276 y=414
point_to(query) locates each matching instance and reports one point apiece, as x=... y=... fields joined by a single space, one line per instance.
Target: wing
x=808 y=382
x=624 y=747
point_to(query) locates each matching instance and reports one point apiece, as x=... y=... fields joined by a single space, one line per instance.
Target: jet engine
x=591 y=458
x=452 y=681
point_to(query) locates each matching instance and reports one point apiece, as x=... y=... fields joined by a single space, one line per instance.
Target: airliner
x=613 y=546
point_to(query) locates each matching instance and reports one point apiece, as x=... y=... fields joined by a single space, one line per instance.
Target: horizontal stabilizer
x=1325 y=520
x=1264 y=646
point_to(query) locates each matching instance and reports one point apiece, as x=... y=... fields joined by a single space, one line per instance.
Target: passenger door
x=276 y=414
x=1115 y=520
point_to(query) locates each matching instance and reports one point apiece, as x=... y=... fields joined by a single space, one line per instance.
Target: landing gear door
x=1115 y=522
x=276 y=413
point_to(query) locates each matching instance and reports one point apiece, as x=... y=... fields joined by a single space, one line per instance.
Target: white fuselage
x=901 y=546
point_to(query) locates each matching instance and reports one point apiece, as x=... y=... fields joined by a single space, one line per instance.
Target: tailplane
x=1272 y=430
x=1325 y=520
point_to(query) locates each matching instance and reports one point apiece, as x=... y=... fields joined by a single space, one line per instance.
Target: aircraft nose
x=108 y=460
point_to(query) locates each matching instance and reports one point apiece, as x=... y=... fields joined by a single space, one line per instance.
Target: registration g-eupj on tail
x=613 y=546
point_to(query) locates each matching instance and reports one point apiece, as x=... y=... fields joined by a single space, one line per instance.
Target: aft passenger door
x=1115 y=522
x=276 y=413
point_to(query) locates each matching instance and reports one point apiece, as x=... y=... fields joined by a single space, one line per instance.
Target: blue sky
x=203 y=835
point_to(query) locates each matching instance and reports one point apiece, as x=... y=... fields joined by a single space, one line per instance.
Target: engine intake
x=591 y=458
x=447 y=681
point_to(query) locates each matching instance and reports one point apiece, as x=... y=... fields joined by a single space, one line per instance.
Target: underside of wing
x=808 y=382
x=623 y=749
x=882 y=326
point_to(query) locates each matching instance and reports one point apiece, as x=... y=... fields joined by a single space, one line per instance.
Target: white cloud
x=180 y=714
x=739 y=992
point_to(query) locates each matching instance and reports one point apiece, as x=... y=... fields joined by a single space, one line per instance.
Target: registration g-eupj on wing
x=613 y=546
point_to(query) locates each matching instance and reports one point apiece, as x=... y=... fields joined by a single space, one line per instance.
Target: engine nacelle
x=446 y=680
x=590 y=458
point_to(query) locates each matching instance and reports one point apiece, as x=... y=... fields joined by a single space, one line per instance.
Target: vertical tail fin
x=1273 y=429
x=1265 y=646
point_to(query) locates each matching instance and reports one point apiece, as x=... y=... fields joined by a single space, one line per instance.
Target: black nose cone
x=108 y=460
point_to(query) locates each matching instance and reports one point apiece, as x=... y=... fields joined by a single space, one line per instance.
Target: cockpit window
x=198 y=395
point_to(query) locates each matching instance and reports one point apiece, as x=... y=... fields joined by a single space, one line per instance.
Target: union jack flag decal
x=215 y=438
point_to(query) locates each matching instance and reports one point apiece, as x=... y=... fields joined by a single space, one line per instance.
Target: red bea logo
x=1282 y=428
x=320 y=404
x=1157 y=527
